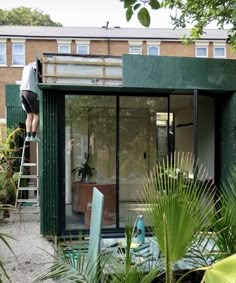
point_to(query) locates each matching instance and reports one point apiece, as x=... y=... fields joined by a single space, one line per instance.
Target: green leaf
x=234 y=14
x=179 y=207
x=144 y=17
x=128 y=3
x=129 y=14
x=136 y=6
x=155 y=5
x=222 y=271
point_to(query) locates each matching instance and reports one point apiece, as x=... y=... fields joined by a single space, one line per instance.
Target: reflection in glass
x=90 y=147
x=143 y=141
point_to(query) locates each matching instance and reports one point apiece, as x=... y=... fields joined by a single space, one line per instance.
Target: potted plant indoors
x=84 y=171
x=81 y=188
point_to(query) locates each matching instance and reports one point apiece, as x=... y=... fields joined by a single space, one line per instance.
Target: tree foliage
x=26 y=17
x=197 y=13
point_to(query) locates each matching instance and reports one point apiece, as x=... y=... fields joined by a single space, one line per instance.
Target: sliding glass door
x=143 y=140
x=90 y=157
x=112 y=142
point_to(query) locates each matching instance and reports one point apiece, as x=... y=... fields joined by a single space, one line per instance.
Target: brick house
x=20 y=45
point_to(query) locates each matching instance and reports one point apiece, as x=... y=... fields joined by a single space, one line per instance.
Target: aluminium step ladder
x=27 y=194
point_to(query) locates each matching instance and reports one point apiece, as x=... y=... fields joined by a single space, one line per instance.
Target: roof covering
x=103 y=32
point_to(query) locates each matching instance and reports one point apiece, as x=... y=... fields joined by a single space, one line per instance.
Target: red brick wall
x=35 y=47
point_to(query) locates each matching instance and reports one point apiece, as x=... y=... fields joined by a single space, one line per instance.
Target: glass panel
x=64 y=48
x=206 y=134
x=82 y=49
x=201 y=52
x=18 y=57
x=90 y=140
x=2 y=54
x=135 y=50
x=2 y=48
x=219 y=52
x=143 y=140
x=153 y=50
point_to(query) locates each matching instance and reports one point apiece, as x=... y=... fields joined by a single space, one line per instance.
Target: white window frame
x=153 y=44
x=63 y=43
x=14 y=44
x=219 y=45
x=83 y=44
x=135 y=47
x=61 y=46
x=4 y=53
x=202 y=45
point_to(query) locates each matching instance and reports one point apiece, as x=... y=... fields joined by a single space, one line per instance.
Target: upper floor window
x=82 y=49
x=135 y=50
x=153 y=50
x=135 y=47
x=201 y=49
x=18 y=54
x=3 y=53
x=201 y=52
x=63 y=48
x=153 y=47
x=219 y=50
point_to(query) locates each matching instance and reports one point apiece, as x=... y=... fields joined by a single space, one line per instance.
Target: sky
x=88 y=13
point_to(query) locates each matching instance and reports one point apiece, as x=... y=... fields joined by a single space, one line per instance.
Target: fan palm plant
x=72 y=265
x=185 y=223
x=128 y=271
x=180 y=209
x=226 y=224
x=68 y=266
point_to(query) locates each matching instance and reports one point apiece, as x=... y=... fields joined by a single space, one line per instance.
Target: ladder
x=27 y=194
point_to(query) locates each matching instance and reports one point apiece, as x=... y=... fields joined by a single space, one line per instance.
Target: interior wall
x=184 y=132
x=206 y=134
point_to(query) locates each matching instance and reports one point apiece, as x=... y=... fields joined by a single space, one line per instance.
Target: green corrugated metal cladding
x=163 y=72
x=51 y=160
x=227 y=135
x=14 y=112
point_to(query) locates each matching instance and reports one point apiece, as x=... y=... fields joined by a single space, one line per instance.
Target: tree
x=26 y=17
x=197 y=13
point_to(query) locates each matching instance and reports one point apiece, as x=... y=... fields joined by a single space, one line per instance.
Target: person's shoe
x=35 y=139
x=28 y=139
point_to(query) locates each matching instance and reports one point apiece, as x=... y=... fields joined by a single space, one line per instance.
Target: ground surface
x=31 y=258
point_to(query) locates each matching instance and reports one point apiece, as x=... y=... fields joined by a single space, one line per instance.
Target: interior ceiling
x=178 y=102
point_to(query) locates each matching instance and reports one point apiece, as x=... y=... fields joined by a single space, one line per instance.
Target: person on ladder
x=30 y=101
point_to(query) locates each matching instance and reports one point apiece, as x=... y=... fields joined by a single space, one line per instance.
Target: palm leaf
x=226 y=224
x=3 y=238
x=179 y=208
x=72 y=265
x=223 y=271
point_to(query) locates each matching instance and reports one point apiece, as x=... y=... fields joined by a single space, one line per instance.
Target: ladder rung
x=34 y=200
x=28 y=176
x=28 y=188
x=28 y=211
x=29 y=164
